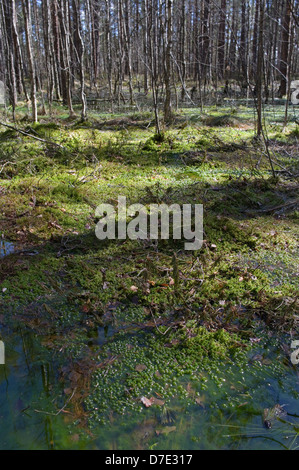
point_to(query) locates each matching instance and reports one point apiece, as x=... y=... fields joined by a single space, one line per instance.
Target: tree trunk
x=221 y=39
x=285 y=48
x=80 y=53
x=167 y=66
x=28 y=32
x=66 y=55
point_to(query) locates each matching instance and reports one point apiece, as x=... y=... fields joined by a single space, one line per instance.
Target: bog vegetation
x=139 y=344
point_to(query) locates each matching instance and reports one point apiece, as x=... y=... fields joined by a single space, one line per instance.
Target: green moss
x=229 y=120
x=294 y=134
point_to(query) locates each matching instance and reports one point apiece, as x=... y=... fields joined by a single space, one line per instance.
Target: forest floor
x=124 y=334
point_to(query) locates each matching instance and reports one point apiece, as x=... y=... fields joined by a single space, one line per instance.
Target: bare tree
x=285 y=47
x=65 y=54
x=260 y=67
x=110 y=48
x=28 y=32
x=80 y=55
x=167 y=64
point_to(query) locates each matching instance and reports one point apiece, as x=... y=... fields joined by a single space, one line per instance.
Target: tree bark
x=285 y=48
x=167 y=66
x=28 y=32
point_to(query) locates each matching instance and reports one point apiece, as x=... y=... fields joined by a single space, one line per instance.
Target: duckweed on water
x=192 y=380
x=158 y=365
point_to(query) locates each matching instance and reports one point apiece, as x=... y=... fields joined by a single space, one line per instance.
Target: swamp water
x=6 y=248
x=219 y=405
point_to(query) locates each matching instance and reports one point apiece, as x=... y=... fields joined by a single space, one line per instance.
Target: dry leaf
x=140 y=367
x=55 y=225
x=147 y=402
x=157 y=401
x=74 y=376
x=199 y=402
x=166 y=430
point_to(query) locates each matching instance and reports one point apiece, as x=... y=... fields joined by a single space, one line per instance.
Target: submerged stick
x=59 y=411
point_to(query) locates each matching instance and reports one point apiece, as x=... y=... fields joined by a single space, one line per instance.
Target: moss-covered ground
x=137 y=326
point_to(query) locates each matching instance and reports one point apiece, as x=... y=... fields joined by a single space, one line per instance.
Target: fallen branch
x=282 y=206
x=27 y=134
x=6 y=163
x=278 y=164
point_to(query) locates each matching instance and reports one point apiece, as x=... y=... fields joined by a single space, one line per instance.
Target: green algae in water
x=208 y=404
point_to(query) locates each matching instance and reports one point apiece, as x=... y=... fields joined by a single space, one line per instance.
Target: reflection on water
x=25 y=395
x=5 y=248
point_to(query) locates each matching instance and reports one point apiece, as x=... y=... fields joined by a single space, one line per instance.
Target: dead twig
x=27 y=134
x=282 y=206
x=157 y=327
x=62 y=409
